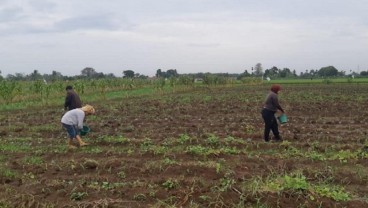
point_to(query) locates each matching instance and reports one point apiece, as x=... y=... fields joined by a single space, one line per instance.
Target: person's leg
x=81 y=142
x=267 y=118
x=72 y=134
x=275 y=129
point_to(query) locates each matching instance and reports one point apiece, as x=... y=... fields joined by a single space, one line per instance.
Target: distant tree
x=285 y=72
x=158 y=73
x=98 y=75
x=244 y=74
x=341 y=73
x=54 y=76
x=141 y=76
x=88 y=72
x=328 y=71
x=171 y=73
x=110 y=75
x=128 y=74
x=313 y=72
x=273 y=72
x=35 y=75
x=16 y=77
x=364 y=73
x=258 y=70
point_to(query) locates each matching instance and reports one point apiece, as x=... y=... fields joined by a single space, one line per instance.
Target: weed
x=197 y=150
x=213 y=140
x=249 y=129
x=122 y=174
x=232 y=140
x=315 y=156
x=107 y=186
x=297 y=182
x=184 y=138
x=170 y=184
x=33 y=160
x=152 y=190
x=230 y=150
x=93 y=149
x=139 y=197
x=77 y=196
x=218 y=168
x=116 y=140
x=168 y=161
x=146 y=145
x=205 y=198
x=7 y=173
x=225 y=184
x=160 y=150
x=335 y=192
x=344 y=155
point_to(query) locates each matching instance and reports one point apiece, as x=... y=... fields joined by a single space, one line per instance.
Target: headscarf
x=275 y=88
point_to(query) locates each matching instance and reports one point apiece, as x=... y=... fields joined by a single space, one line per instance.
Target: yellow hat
x=89 y=109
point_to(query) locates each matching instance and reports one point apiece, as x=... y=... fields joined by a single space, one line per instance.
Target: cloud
x=11 y=14
x=195 y=35
x=87 y=22
x=42 y=6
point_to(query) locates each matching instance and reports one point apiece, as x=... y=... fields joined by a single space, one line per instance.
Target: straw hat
x=88 y=109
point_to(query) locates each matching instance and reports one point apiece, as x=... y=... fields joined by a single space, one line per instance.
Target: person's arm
x=68 y=101
x=277 y=104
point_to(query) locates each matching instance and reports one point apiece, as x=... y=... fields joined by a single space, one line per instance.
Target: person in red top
x=72 y=100
x=270 y=107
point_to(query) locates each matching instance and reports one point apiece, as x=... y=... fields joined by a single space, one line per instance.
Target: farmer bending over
x=72 y=121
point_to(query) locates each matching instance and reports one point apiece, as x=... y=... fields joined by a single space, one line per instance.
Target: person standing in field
x=72 y=100
x=270 y=107
x=72 y=121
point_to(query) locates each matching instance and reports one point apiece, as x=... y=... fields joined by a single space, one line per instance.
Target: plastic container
x=282 y=118
x=85 y=130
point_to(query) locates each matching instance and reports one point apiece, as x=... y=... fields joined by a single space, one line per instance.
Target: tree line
x=256 y=71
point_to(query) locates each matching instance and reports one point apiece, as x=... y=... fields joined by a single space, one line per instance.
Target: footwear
x=277 y=138
x=81 y=143
x=71 y=144
x=72 y=147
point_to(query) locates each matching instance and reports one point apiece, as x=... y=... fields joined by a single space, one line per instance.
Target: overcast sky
x=188 y=35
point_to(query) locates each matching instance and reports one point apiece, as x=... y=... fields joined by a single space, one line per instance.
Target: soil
x=122 y=173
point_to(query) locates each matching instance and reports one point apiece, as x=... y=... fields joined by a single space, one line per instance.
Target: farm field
x=195 y=147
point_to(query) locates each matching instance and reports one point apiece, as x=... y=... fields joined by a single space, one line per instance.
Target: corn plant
x=8 y=90
x=102 y=86
x=37 y=87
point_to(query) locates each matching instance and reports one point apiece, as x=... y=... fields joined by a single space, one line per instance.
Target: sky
x=218 y=36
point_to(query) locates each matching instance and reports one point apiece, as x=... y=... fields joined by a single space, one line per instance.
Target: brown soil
x=123 y=174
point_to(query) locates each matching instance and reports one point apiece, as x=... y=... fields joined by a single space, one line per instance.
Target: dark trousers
x=270 y=124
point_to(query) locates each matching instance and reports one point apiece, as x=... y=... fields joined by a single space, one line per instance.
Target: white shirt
x=74 y=117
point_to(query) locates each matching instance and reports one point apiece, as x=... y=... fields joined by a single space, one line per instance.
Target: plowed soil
x=200 y=147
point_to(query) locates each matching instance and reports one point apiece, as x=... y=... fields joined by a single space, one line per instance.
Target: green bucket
x=282 y=118
x=84 y=130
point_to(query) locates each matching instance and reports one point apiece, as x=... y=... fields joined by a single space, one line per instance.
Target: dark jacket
x=272 y=102
x=72 y=100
